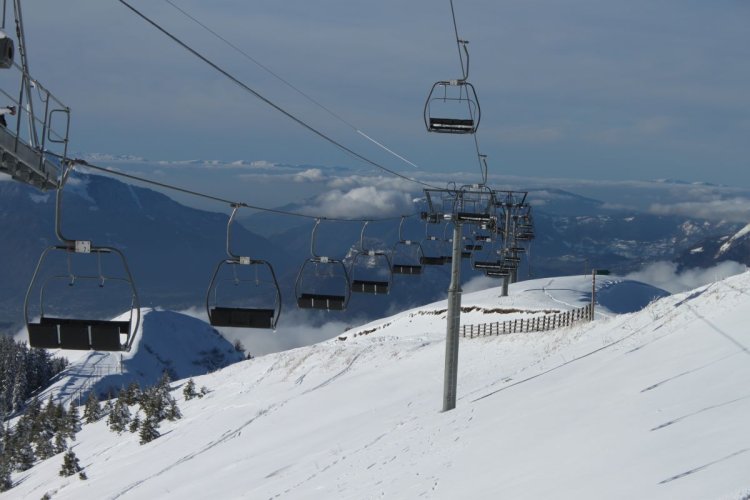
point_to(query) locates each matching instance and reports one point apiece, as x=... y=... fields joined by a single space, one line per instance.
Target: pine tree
x=158 y=403
x=92 y=412
x=173 y=412
x=19 y=444
x=7 y=447
x=5 y=470
x=149 y=430
x=42 y=428
x=189 y=390
x=70 y=464
x=43 y=446
x=108 y=407
x=72 y=422
x=131 y=394
x=60 y=443
x=33 y=418
x=23 y=371
x=119 y=417
x=24 y=457
x=6 y=465
x=239 y=347
x=134 y=424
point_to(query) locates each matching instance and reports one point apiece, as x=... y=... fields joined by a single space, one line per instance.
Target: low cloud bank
x=480 y=283
x=664 y=275
x=295 y=329
x=732 y=210
x=361 y=202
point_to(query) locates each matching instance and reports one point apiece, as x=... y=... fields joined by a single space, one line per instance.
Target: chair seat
x=321 y=301
x=77 y=334
x=242 y=317
x=452 y=125
x=406 y=269
x=374 y=287
x=432 y=261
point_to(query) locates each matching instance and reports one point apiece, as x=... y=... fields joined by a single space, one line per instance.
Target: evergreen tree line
x=22 y=372
x=136 y=410
x=42 y=432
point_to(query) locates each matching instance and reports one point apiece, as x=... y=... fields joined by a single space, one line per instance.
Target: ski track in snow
x=698 y=469
x=342 y=372
x=231 y=434
x=718 y=330
x=708 y=408
x=688 y=372
x=224 y=438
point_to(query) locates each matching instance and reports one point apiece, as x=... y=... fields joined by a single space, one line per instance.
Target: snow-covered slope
x=651 y=404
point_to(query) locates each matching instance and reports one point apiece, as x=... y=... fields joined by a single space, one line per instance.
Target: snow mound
x=181 y=345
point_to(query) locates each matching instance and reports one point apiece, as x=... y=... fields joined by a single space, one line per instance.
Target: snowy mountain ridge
x=738 y=235
x=649 y=404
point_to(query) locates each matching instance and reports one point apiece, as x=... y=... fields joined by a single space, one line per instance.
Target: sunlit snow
x=649 y=404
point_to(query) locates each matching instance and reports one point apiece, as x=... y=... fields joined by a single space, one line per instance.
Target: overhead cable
x=199 y=194
x=275 y=106
x=290 y=85
x=464 y=72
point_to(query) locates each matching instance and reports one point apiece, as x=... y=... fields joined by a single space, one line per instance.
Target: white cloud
x=366 y=201
x=479 y=283
x=664 y=275
x=310 y=175
x=296 y=328
x=732 y=210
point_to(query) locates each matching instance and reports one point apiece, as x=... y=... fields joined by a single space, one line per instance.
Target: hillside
x=166 y=341
x=648 y=404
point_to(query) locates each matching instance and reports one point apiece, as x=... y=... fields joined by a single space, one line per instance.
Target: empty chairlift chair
x=370 y=269
x=322 y=282
x=243 y=292
x=487 y=258
x=78 y=288
x=434 y=251
x=452 y=107
x=407 y=254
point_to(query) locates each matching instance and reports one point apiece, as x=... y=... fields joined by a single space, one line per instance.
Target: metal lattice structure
x=31 y=149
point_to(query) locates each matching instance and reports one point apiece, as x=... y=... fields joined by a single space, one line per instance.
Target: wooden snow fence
x=537 y=324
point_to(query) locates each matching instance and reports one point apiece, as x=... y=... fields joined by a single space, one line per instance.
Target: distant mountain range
x=172 y=249
x=713 y=249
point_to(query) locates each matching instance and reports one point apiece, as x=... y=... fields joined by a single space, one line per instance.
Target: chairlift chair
x=452 y=107
x=448 y=245
x=256 y=298
x=80 y=332
x=434 y=250
x=407 y=254
x=322 y=282
x=488 y=257
x=363 y=282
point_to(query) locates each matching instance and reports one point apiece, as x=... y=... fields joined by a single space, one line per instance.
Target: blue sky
x=576 y=89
